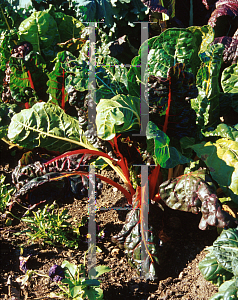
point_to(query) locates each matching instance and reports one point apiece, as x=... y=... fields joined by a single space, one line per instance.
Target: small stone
x=115 y=251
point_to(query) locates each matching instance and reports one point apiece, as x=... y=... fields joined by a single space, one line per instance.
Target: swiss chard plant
x=220 y=265
x=84 y=103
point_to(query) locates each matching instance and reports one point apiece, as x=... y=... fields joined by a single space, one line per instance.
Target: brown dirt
x=178 y=276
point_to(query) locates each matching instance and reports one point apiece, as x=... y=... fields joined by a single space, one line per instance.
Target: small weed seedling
x=77 y=286
x=50 y=226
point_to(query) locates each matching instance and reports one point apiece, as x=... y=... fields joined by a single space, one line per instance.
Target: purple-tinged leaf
x=223 y=8
x=23 y=263
x=230 y=53
x=195 y=192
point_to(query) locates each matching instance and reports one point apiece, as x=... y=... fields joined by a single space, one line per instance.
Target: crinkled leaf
x=68 y=26
x=45 y=125
x=40 y=29
x=118 y=114
x=221 y=158
x=225 y=131
x=79 y=77
x=206 y=104
x=229 y=79
x=225 y=248
x=28 y=75
x=176 y=45
x=195 y=192
x=231 y=48
x=223 y=8
x=213 y=271
x=111 y=78
x=227 y=291
x=133 y=238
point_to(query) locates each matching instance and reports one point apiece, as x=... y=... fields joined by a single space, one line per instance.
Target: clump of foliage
x=220 y=265
x=76 y=285
x=50 y=226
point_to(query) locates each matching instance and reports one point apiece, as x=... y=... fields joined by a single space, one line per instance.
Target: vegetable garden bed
x=119 y=146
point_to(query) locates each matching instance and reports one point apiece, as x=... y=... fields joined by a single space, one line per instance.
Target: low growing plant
x=220 y=266
x=50 y=226
x=79 y=287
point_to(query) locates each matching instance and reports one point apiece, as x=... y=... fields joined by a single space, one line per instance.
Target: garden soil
x=183 y=247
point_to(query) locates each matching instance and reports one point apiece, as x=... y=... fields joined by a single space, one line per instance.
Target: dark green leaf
x=28 y=78
x=225 y=248
x=213 y=271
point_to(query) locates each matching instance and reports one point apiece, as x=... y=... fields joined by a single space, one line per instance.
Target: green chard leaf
x=224 y=130
x=68 y=26
x=221 y=158
x=94 y=10
x=213 y=271
x=225 y=249
x=158 y=147
x=206 y=104
x=40 y=29
x=28 y=75
x=111 y=78
x=229 y=79
x=45 y=125
x=57 y=79
x=174 y=45
x=118 y=114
